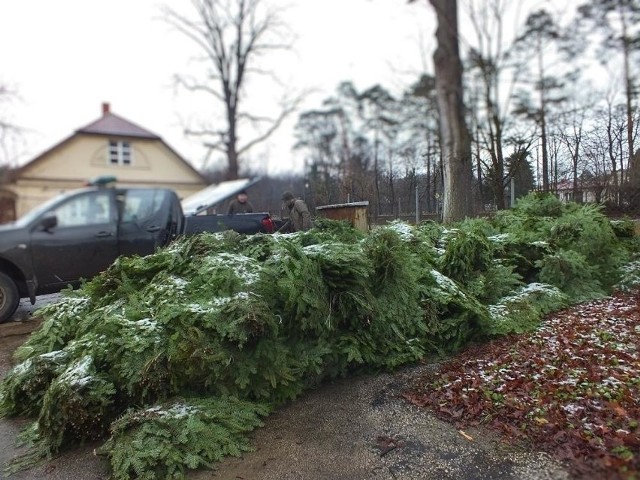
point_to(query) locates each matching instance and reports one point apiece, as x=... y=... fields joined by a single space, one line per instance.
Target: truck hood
x=215 y=194
x=8 y=227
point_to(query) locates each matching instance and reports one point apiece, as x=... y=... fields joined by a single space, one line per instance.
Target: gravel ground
x=361 y=429
x=357 y=428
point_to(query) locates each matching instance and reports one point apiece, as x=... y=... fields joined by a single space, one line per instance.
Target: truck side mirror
x=49 y=221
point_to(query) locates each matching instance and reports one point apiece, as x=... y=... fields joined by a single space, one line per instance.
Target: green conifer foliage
x=630 y=277
x=571 y=246
x=76 y=406
x=180 y=435
x=237 y=325
x=521 y=310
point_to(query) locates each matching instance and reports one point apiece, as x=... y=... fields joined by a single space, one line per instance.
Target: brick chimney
x=106 y=108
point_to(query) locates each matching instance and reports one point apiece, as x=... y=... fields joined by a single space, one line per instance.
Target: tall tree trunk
x=428 y=190
x=543 y=119
x=479 y=172
x=497 y=156
x=456 y=143
x=545 y=153
x=575 y=159
x=612 y=156
x=633 y=173
x=232 y=141
x=626 y=48
x=376 y=176
x=232 y=158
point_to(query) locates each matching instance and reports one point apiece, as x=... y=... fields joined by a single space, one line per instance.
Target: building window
x=119 y=153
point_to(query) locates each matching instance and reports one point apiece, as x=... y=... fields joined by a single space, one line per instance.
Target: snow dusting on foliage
x=247 y=269
x=521 y=311
x=180 y=283
x=55 y=355
x=22 y=367
x=216 y=304
x=317 y=250
x=65 y=307
x=446 y=284
x=500 y=238
x=403 y=229
x=540 y=244
x=179 y=410
x=146 y=324
x=572 y=387
x=630 y=278
x=77 y=375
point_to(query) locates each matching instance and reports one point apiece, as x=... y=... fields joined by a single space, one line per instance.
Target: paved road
x=361 y=429
x=23 y=321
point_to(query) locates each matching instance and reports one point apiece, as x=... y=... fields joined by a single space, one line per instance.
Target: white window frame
x=120 y=153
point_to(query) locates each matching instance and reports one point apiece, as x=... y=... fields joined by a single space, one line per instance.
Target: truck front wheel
x=9 y=298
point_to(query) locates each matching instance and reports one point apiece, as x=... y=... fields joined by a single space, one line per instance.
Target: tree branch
x=287 y=110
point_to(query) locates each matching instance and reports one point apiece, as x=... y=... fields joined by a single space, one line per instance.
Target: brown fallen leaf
x=568 y=388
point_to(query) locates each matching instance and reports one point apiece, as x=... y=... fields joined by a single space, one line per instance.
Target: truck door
x=146 y=220
x=82 y=244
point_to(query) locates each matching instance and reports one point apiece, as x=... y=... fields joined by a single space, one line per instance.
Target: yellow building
x=110 y=146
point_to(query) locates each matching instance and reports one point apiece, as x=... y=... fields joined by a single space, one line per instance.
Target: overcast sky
x=66 y=57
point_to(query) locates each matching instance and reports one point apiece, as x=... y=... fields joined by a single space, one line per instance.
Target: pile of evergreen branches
x=175 y=356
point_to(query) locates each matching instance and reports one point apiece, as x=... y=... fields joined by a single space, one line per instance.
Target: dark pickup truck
x=79 y=234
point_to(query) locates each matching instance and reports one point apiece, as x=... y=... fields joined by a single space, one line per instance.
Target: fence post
x=417 y=207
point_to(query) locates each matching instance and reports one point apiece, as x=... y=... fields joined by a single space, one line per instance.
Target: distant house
x=587 y=192
x=592 y=189
x=111 y=146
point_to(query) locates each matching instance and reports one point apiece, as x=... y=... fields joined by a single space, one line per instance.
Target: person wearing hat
x=299 y=216
x=241 y=204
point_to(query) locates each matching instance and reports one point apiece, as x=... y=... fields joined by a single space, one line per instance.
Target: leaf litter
x=571 y=388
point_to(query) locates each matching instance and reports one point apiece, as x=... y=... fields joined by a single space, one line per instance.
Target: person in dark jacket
x=241 y=204
x=299 y=216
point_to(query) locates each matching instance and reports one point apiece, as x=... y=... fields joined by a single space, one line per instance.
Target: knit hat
x=287 y=196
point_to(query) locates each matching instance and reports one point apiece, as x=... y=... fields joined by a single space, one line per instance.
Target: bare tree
x=233 y=35
x=614 y=124
x=540 y=32
x=493 y=78
x=618 y=21
x=10 y=132
x=571 y=136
